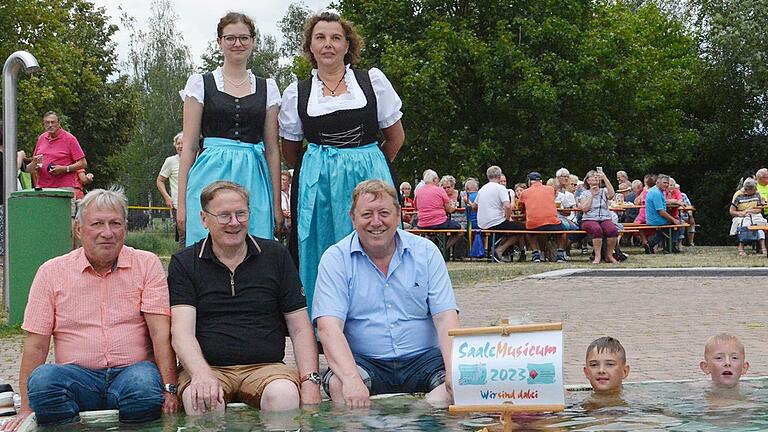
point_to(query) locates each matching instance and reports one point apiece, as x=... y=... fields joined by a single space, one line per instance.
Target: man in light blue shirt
x=656 y=210
x=383 y=306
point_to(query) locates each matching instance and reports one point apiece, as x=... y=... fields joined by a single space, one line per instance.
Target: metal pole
x=16 y=62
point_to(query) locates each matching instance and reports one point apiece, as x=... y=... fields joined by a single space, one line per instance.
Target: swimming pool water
x=654 y=406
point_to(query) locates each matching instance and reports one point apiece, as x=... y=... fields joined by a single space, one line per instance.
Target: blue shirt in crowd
x=385 y=316
x=655 y=202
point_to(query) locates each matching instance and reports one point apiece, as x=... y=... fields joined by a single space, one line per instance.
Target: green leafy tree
x=72 y=41
x=160 y=64
x=532 y=85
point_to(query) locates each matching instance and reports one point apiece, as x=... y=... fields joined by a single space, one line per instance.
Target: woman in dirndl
x=236 y=113
x=340 y=111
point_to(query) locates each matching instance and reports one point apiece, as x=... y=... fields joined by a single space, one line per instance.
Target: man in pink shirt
x=106 y=306
x=58 y=154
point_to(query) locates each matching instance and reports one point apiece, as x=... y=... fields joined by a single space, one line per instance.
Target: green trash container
x=39 y=228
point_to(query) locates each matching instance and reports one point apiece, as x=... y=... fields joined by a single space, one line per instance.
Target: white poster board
x=512 y=365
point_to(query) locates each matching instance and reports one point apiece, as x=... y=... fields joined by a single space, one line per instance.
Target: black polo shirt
x=239 y=315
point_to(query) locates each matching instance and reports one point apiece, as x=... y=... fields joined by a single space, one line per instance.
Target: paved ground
x=662 y=322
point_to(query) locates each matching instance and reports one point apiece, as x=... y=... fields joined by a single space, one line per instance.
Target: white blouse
x=388 y=103
x=196 y=89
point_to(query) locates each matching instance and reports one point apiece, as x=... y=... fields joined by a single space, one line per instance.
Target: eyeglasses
x=230 y=40
x=225 y=218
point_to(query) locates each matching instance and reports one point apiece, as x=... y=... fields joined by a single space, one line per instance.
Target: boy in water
x=724 y=359
x=606 y=368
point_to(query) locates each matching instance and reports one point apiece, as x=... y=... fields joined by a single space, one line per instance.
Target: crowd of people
x=558 y=205
x=213 y=331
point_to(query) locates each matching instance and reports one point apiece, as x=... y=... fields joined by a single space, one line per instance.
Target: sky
x=197 y=19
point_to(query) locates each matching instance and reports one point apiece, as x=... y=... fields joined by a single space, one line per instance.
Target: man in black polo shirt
x=233 y=300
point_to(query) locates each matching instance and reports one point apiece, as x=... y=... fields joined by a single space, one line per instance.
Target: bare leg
x=335 y=388
x=506 y=244
x=597 y=244
x=280 y=395
x=439 y=396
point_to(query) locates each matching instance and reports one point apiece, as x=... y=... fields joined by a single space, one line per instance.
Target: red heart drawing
x=533 y=374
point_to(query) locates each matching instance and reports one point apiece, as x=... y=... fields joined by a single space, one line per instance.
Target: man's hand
x=171 y=403
x=310 y=393
x=206 y=392
x=169 y=202
x=356 y=394
x=14 y=423
x=57 y=170
x=37 y=160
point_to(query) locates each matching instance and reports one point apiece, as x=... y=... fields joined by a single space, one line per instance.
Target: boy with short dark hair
x=724 y=359
x=606 y=368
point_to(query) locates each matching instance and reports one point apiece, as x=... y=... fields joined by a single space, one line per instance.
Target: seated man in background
x=538 y=202
x=383 y=306
x=656 y=212
x=494 y=212
x=233 y=299
x=106 y=306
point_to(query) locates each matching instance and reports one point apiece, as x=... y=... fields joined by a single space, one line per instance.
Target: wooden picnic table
x=760 y=228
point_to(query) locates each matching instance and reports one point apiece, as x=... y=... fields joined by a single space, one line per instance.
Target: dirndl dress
x=343 y=151
x=232 y=150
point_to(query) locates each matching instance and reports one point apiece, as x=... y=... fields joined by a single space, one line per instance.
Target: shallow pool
x=651 y=406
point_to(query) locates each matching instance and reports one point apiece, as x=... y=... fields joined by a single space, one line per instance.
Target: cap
x=534 y=176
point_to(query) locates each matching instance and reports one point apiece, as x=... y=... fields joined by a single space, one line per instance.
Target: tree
x=160 y=64
x=532 y=85
x=292 y=27
x=73 y=44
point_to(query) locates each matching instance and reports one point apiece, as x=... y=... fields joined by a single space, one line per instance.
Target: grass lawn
x=466 y=274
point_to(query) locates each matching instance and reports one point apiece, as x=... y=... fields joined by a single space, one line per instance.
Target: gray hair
x=636 y=183
x=493 y=172
x=471 y=183
x=621 y=174
x=404 y=184
x=661 y=177
x=429 y=176
x=449 y=179
x=750 y=182
x=114 y=198
x=177 y=137
x=761 y=172
x=562 y=172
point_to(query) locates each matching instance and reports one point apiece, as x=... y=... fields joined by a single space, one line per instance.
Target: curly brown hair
x=355 y=41
x=235 y=18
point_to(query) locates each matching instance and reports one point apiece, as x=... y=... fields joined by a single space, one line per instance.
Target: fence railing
x=150 y=219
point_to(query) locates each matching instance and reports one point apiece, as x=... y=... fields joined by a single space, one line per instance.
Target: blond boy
x=724 y=359
x=606 y=366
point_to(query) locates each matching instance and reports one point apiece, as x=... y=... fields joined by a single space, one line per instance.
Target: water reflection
x=673 y=407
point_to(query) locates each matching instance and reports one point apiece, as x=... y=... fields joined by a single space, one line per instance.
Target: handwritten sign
x=520 y=366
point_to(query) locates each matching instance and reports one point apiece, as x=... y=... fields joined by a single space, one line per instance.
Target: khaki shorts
x=244 y=383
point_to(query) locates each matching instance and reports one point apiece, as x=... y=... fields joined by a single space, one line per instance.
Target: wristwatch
x=169 y=388
x=313 y=377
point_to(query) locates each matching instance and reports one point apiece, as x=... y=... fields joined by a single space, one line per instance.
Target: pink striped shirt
x=96 y=321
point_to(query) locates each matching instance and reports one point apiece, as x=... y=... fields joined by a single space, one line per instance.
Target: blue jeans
x=420 y=373
x=57 y=393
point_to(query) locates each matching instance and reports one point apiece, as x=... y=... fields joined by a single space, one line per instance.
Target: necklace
x=237 y=85
x=333 y=91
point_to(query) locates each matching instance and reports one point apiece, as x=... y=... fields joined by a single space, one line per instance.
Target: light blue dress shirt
x=385 y=316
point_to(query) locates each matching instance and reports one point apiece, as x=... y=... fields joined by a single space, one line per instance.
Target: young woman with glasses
x=236 y=114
